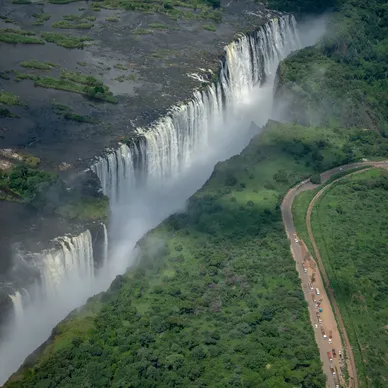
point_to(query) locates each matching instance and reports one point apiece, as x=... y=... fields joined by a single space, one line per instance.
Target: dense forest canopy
x=343 y=81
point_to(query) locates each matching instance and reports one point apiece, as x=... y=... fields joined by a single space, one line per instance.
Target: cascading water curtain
x=168 y=145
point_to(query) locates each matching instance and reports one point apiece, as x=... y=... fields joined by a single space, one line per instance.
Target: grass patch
x=60 y=84
x=79 y=118
x=8 y=98
x=123 y=78
x=349 y=225
x=6 y=113
x=77 y=83
x=158 y=26
x=210 y=28
x=9 y=35
x=19 y=76
x=112 y=19
x=164 y=54
x=65 y=40
x=40 y=18
x=34 y=64
x=142 y=31
x=82 y=63
x=82 y=25
x=78 y=18
x=120 y=66
x=6 y=19
x=60 y=107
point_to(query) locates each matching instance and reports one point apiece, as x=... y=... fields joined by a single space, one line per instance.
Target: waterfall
x=74 y=259
x=171 y=144
x=105 y=246
x=17 y=301
x=152 y=175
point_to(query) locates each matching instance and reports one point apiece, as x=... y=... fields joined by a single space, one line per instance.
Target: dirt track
x=305 y=265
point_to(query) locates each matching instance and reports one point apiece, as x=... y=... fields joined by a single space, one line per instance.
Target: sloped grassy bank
x=214 y=299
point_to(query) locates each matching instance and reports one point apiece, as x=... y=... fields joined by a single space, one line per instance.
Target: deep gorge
x=150 y=176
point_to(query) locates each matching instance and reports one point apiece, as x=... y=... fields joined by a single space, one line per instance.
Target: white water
x=17 y=301
x=153 y=178
x=105 y=253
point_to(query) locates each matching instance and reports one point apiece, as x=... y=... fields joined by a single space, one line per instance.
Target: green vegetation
x=47 y=192
x=78 y=83
x=7 y=19
x=26 y=183
x=112 y=19
x=8 y=98
x=65 y=40
x=75 y=22
x=79 y=118
x=6 y=113
x=350 y=227
x=123 y=78
x=68 y=114
x=11 y=35
x=40 y=18
x=86 y=209
x=82 y=25
x=34 y=64
x=19 y=76
x=78 y=18
x=142 y=31
x=342 y=81
x=120 y=66
x=210 y=28
x=158 y=26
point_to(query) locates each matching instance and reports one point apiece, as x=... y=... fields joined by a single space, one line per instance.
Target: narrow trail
x=297 y=253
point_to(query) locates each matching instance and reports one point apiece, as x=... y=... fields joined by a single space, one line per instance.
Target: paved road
x=306 y=266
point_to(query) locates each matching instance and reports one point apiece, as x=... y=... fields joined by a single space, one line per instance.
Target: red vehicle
x=334 y=353
x=329 y=356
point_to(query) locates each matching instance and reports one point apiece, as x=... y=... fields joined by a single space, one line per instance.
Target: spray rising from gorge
x=150 y=178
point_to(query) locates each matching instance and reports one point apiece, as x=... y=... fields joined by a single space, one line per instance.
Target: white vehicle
x=317 y=291
x=330 y=341
x=304 y=269
x=316 y=326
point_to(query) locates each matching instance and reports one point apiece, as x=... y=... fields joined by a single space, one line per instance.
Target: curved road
x=306 y=266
